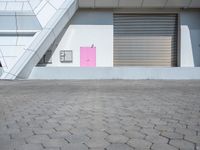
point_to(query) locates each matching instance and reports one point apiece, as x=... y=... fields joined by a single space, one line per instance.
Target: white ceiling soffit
x=139 y=3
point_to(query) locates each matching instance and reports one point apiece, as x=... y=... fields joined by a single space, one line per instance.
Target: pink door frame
x=88 y=56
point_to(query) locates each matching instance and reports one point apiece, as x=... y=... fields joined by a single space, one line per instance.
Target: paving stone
x=37 y=139
x=97 y=148
x=162 y=146
x=97 y=143
x=77 y=138
x=157 y=139
x=186 y=132
x=78 y=131
x=97 y=134
x=115 y=131
x=164 y=128
x=30 y=147
x=193 y=138
x=8 y=144
x=63 y=127
x=117 y=138
x=59 y=134
x=197 y=146
x=172 y=135
x=134 y=134
x=52 y=143
x=52 y=149
x=43 y=131
x=139 y=144
x=119 y=147
x=23 y=134
x=183 y=145
x=74 y=147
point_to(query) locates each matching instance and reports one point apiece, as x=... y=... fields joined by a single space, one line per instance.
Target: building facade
x=100 y=39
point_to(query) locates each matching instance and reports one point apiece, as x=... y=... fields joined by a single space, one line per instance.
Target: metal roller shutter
x=145 y=40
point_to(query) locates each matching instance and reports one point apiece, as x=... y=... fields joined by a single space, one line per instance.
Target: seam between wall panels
x=142 y=3
x=41 y=8
x=190 y=3
x=16 y=27
x=166 y=3
x=52 y=5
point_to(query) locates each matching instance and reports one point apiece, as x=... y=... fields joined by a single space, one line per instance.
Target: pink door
x=88 y=56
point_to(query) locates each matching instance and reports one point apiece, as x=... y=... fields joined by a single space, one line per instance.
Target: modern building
x=100 y=39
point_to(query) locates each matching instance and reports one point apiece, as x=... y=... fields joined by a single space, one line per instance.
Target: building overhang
x=139 y=3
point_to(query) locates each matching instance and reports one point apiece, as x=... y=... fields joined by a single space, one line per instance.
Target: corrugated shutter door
x=145 y=40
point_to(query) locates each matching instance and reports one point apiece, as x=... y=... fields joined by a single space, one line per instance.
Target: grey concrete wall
x=190 y=38
x=114 y=73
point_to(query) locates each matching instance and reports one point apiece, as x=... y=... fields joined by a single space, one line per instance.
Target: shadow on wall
x=195 y=38
x=101 y=17
x=192 y=21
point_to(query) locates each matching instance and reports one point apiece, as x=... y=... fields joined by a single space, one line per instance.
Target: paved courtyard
x=100 y=115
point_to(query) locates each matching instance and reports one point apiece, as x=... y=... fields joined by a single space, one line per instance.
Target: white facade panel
x=56 y=3
x=17 y=6
x=34 y=3
x=46 y=14
x=2 y=6
x=8 y=40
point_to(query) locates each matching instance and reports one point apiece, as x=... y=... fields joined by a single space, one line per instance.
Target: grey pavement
x=100 y=115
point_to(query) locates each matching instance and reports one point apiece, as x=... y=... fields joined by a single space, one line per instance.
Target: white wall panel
x=24 y=40
x=26 y=7
x=56 y=3
x=2 y=5
x=40 y=7
x=10 y=51
x=8 y=40
x=34 y=3
x=46 y=14
x=17 y=6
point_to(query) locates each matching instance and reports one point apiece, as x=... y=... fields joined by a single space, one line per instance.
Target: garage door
x=145 y=40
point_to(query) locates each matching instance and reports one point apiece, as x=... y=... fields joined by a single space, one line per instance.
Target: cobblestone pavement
x=100 y=115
